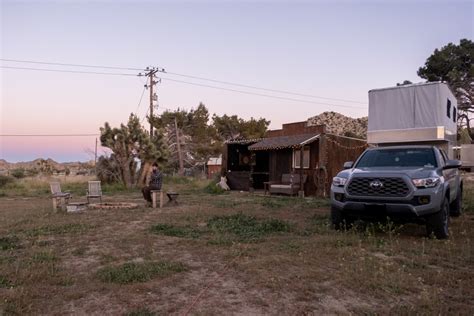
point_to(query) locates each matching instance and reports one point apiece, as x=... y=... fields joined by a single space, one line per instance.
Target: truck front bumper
x=414 y=205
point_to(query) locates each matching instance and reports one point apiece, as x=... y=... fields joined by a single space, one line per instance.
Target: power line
x=262 y=95
x=186 y=76
x=70 y=71
x=65 y=64
x=140 y=102
x=260 y=88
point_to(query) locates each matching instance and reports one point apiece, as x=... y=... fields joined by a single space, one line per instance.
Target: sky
x=337 y=50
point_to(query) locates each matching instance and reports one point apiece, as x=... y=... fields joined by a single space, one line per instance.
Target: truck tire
x=438 y=223
x=338 y=220
x=455 y=208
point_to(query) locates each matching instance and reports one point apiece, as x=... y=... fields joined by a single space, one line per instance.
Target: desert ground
x=219 y=254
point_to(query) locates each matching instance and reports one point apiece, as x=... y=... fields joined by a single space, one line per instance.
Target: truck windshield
x=407 y=157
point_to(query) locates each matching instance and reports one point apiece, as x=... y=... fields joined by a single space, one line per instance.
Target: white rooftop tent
x=416 y=113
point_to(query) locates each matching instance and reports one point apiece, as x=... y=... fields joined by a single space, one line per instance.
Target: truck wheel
x=438 y=223
x=456 y=207
x=338 y=220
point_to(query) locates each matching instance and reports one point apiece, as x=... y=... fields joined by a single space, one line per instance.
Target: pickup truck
x=408 y=183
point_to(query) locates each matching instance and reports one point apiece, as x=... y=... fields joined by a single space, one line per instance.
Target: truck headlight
x=426 y=182
x=339 y=182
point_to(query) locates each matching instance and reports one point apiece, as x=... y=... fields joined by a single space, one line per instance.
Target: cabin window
x=454 y=114
x=448 y=109
x=296 y=158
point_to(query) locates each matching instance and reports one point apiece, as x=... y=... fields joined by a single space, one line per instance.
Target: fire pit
x=112 y=205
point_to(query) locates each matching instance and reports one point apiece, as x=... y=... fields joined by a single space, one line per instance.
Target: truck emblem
x=376 y=184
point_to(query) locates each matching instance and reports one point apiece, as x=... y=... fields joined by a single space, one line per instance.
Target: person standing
x=155 y=182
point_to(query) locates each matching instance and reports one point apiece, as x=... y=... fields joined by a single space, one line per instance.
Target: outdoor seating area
x=61 y=200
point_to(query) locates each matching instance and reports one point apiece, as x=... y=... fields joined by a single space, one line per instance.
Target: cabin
x=298 y=149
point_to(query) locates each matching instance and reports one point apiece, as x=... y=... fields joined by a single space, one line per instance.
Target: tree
x=404 y=83
x=455 y=65
x=190 y=138
x=133 y=149
x=233 y=127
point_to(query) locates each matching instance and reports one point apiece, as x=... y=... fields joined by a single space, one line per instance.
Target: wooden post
x=252 y=164
x=301 y=191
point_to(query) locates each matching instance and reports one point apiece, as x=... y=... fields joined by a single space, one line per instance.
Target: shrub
x=18 y=173
x=213 y=188
x=4 y=180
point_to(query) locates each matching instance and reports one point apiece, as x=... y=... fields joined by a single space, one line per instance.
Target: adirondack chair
x=94 y=191
x=60 y=199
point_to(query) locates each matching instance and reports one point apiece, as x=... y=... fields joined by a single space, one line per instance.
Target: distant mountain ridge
x=46 y=165
x=340 y=124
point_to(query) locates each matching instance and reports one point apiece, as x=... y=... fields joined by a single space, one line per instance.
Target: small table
x=172 y=197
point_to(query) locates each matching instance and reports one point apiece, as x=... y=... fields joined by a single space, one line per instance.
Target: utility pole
x=150 y=72
x=95 y=157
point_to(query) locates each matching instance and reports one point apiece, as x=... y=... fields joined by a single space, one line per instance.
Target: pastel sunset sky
x=330 y=49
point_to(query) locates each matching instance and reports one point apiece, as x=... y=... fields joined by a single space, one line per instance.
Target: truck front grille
x=389 y=187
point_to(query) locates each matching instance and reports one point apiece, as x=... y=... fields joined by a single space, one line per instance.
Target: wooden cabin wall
x=296 y=129
x=334 y=151
x=280 y=163
x=310 y=185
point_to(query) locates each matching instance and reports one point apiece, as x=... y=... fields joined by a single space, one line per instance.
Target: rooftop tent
x=411 y=113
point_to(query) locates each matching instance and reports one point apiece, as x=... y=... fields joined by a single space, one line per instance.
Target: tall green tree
x=233 y=127
x=132 y=146
x=190 y=137
x=455 y=65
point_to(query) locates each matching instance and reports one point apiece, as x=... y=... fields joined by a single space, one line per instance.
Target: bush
x=4 y=180
x=213 y=188
x=18 y=173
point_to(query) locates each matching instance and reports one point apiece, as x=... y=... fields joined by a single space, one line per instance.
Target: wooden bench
x=154 y=194
x=289 y=185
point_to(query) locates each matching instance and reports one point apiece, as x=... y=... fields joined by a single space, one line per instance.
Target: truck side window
x=448 y=108
x=454 y=114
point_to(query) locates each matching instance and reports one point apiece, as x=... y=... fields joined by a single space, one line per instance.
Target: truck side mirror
x=452 y=164
x=348 y=164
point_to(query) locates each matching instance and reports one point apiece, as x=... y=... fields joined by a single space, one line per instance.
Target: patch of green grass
x=44 y=257
x=175 y=231
x=58 y=229
x=177 y=180
x=4 y=282
x=9 y=242
x=132 y=272
x=247 y=228
x=468 y=199
x=141 y=312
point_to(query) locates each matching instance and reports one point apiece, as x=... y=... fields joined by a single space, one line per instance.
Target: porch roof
x=282 y=142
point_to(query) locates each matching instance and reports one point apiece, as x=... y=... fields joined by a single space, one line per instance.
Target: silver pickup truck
x=408 y=183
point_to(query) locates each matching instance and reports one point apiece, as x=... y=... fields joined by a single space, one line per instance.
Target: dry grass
x=238 y=253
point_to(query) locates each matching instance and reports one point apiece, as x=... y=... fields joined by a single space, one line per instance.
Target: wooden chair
x=60 y=199
x=94 y=191
x=154 y=194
